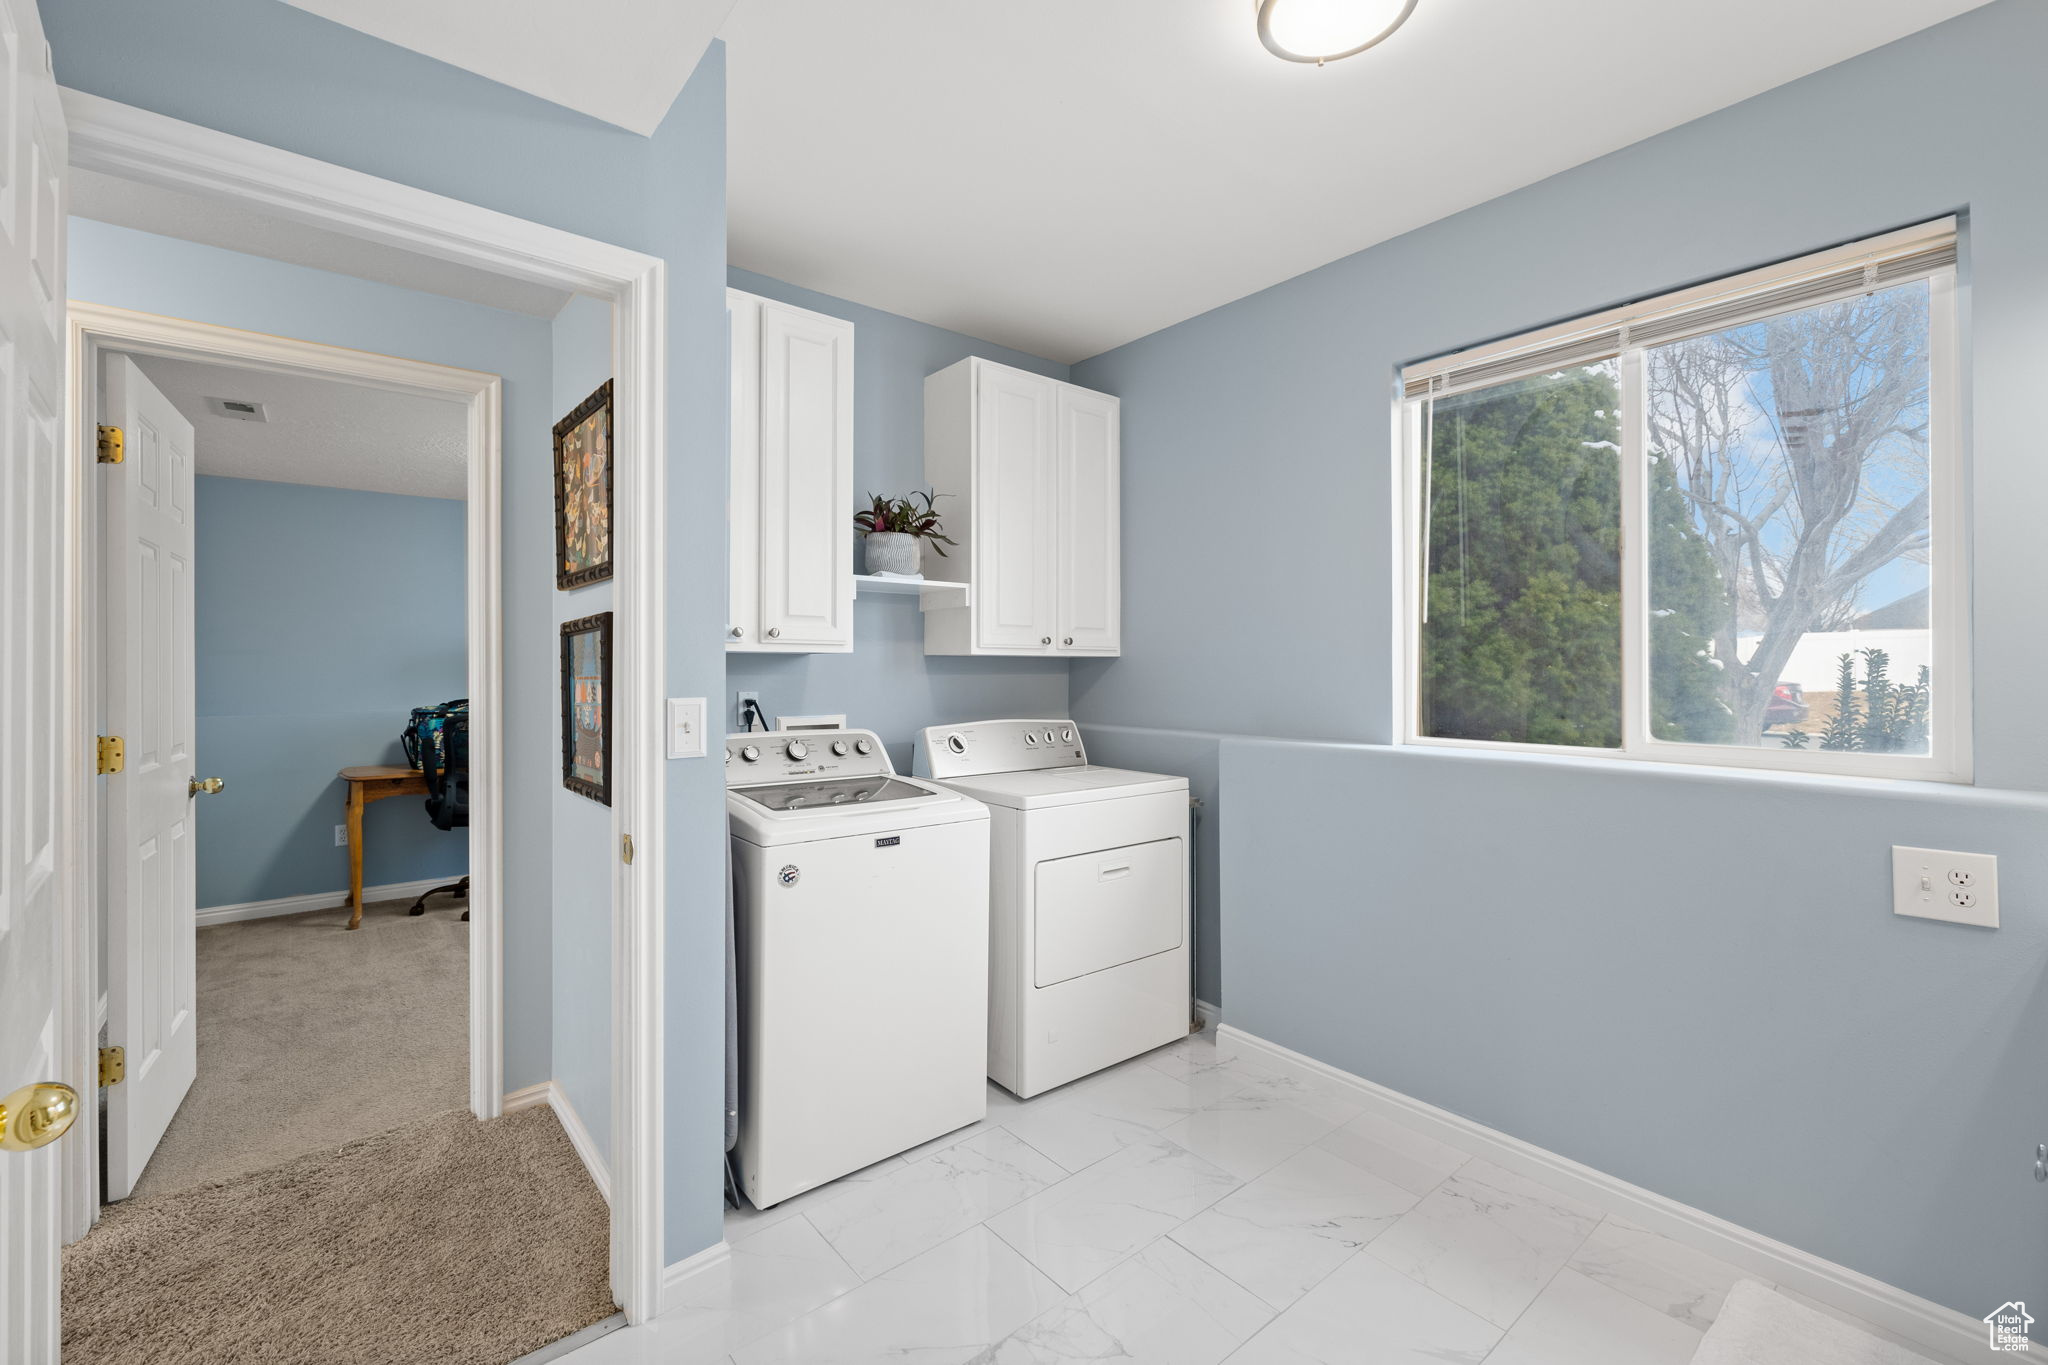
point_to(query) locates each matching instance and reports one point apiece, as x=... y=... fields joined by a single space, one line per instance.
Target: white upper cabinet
x=1089 y=618
x=1027 y=472
x=791 y=498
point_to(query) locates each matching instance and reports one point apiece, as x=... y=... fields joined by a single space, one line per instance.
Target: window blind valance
x=1912 y=253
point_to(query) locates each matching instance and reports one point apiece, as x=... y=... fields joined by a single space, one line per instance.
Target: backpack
x=437 y=743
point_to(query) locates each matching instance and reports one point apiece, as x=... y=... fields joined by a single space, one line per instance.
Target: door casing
x=95 y=330
x=149 y=148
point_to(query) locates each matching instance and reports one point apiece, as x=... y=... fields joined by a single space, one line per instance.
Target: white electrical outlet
x=686 y=727
x=341 y=836
x=1933 y=883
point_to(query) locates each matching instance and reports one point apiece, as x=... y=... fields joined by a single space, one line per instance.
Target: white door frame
x=137 y=145
x=94 y=330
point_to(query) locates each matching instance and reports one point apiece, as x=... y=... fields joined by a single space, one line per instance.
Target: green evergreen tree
x=1522 y=640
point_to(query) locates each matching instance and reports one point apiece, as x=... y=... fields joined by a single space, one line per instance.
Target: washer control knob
x=749 y=754
x=861 y=746
x=1031 y=739
x=796 y=749
x=1067 y=736
x=839 y=748
x=956 y=744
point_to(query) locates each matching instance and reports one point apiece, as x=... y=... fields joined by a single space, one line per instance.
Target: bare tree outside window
x=1799 y=447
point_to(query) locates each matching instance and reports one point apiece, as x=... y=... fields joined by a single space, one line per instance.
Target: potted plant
x=894 y=526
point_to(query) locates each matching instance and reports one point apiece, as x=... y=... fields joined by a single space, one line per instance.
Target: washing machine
x=1088 y=896
x=861 y=932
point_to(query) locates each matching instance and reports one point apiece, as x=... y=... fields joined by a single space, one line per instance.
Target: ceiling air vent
x=238 y=408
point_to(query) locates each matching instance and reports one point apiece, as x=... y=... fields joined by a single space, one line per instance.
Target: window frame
x=1950 y=749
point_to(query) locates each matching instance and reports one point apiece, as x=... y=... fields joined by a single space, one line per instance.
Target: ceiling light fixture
x=1321 y=31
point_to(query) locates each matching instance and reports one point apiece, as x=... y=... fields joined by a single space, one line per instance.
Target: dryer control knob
x=749 y=754
x=839 y=748
x=796 y=748
x=861 y=746
x=956 y=744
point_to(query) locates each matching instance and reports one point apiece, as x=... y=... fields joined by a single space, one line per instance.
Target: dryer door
x=1101 y=910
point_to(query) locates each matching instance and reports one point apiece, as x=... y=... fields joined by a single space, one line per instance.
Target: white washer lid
x=1063 y=786
x=755 y=823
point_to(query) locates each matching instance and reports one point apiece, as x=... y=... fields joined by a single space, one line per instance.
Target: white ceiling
x=1066 y=175
x=239 y=227
x=623 y=61
x=320 y=431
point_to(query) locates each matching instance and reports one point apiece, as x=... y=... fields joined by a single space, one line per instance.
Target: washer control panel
x=785 y=755
x=998 y=746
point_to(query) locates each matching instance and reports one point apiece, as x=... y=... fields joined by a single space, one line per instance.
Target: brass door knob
x=209 y=786
x=37 y=1115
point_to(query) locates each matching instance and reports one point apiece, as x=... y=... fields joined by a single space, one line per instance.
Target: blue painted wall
x=887 y=684
x=1691 y=980
x=278 y=75
x=152 y=274
x=318 y=631
x=582 y=966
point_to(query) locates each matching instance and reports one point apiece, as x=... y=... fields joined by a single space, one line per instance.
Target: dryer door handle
x=1110 y=872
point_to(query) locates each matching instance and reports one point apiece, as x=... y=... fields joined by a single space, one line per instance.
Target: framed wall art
x=583 y=492
x=587 y=706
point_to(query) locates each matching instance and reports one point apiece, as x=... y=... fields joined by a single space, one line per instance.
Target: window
x=1717 y=527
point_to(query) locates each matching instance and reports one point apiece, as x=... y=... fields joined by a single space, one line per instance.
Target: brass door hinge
x=626 y=849
x=110 y=445
x=113 y=1065
x=113 y=757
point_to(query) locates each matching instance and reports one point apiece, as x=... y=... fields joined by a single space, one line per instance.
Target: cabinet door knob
x=1068 y=641
x=775 y=632
x=1045 y=640
x=736 y=632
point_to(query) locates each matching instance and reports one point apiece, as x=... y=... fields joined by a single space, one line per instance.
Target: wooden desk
x=364 y=786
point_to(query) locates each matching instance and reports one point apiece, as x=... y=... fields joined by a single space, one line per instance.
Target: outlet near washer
x=1935 y=883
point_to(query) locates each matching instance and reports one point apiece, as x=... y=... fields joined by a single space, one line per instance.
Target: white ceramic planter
x=893 y=552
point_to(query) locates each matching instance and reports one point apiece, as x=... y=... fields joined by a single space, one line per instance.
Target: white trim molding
x=682 y=1272
x=1210 y=1015
x=149 y=148
x=1939 y=1329
x=319 y=900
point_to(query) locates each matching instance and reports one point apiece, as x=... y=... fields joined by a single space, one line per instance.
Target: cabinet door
x=743 y=488
x=806 y=479
x=1090 y=587
x=1015 y=439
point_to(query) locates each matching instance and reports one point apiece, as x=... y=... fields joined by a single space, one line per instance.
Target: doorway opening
x=281 y=571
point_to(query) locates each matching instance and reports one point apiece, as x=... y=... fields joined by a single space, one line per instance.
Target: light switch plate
x=1933 y=883
x=686 y=727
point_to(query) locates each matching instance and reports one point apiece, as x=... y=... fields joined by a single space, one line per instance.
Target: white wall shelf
x=931 y=592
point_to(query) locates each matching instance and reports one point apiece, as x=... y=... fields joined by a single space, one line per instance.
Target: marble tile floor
x=1188 y=1207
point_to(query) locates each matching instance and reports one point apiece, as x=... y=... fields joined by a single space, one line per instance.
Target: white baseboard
x=318 y=900
x=594 y=1161
x=1915 y=1319
x=673 y=1278
x=526 y=1097
x=1210 y=1015
x=553 y=1096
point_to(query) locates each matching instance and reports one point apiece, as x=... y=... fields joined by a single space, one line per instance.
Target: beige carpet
x=447 y=1241
x=310 y=1035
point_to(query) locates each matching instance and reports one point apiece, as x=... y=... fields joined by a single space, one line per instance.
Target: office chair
x=437 y=742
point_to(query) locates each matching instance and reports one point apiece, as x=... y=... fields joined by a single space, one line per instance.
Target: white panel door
x=1090 y=590
x=743 y=489
x=34 y=718
x=806 y=479
x=1015 y=476
x=146 y=570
